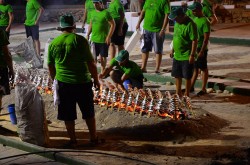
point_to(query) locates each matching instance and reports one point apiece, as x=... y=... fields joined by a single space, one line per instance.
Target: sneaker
x=201 y=93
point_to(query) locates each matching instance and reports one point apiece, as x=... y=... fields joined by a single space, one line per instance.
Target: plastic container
x=11 y=109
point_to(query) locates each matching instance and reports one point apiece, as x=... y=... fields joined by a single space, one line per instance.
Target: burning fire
x=143 y=102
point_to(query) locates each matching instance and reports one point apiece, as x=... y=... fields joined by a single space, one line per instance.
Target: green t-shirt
x=183 y=36
x=206 y=10
x=32 y=11
x=70 y=53
x=100 y=25
x=190 y=14
x=115 y=7
x=131 y=69
x=90 y=8
x=203 y=26
x=3 y=42
x=155 y=11
x=5 y=9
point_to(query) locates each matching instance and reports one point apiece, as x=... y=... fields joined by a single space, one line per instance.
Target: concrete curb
x=45 y=152
x=216 y=86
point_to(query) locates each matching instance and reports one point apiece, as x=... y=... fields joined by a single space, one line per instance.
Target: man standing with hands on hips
x=33 y=13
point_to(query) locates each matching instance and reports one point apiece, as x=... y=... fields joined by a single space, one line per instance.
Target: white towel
x=55 y=89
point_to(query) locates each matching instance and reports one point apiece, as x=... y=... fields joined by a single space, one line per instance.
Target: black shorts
x=32 y=31
x=69 y=95
x=116 y=39
x=101 y=49
x=201 y=63
x=182 y=69
x=4 y=81
x=4 y=28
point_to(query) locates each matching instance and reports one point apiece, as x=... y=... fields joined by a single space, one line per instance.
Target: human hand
x=108 y=40
x=138 y=27
x=191 y=59
x=96 y=84
x=162 y=33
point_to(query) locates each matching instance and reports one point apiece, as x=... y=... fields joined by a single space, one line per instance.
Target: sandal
x=201 y=93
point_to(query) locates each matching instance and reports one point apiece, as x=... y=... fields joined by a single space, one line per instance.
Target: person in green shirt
x=203 y=27
x=6 y=17
x=184 y=49
x=72 y=67
x=6 y=66
x=208 y=11
x=33 y=13
x=116 y=10
x=101 y=27
x=124 y=72
x=155 y=16
x=88 y=8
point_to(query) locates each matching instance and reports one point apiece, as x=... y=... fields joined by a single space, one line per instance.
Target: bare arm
x=164 y=26
x=89 y=30
x=8 y=59
x=84 y=17
x=111 y=31
x=193 y=51
x=140 y=19
x=52 y=71
x=94 y=74
x=204 y=45
x=41 y=10
x=11 y=18
x=213 y=19
x=106 y=71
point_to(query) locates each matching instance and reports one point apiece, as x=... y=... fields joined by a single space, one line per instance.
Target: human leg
x=204 y=79
x=70 y=127
x=112 y=50
x=91 y=124
x=158 y=48
x=194 y=77
x=33 y=31
x=144 y=57
x=67 y=108
x=178 y=82
x=103 y=52
x=147 y=47
x=103 y=63
x=37 y=46
x=158 y=62
x=86 y=105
